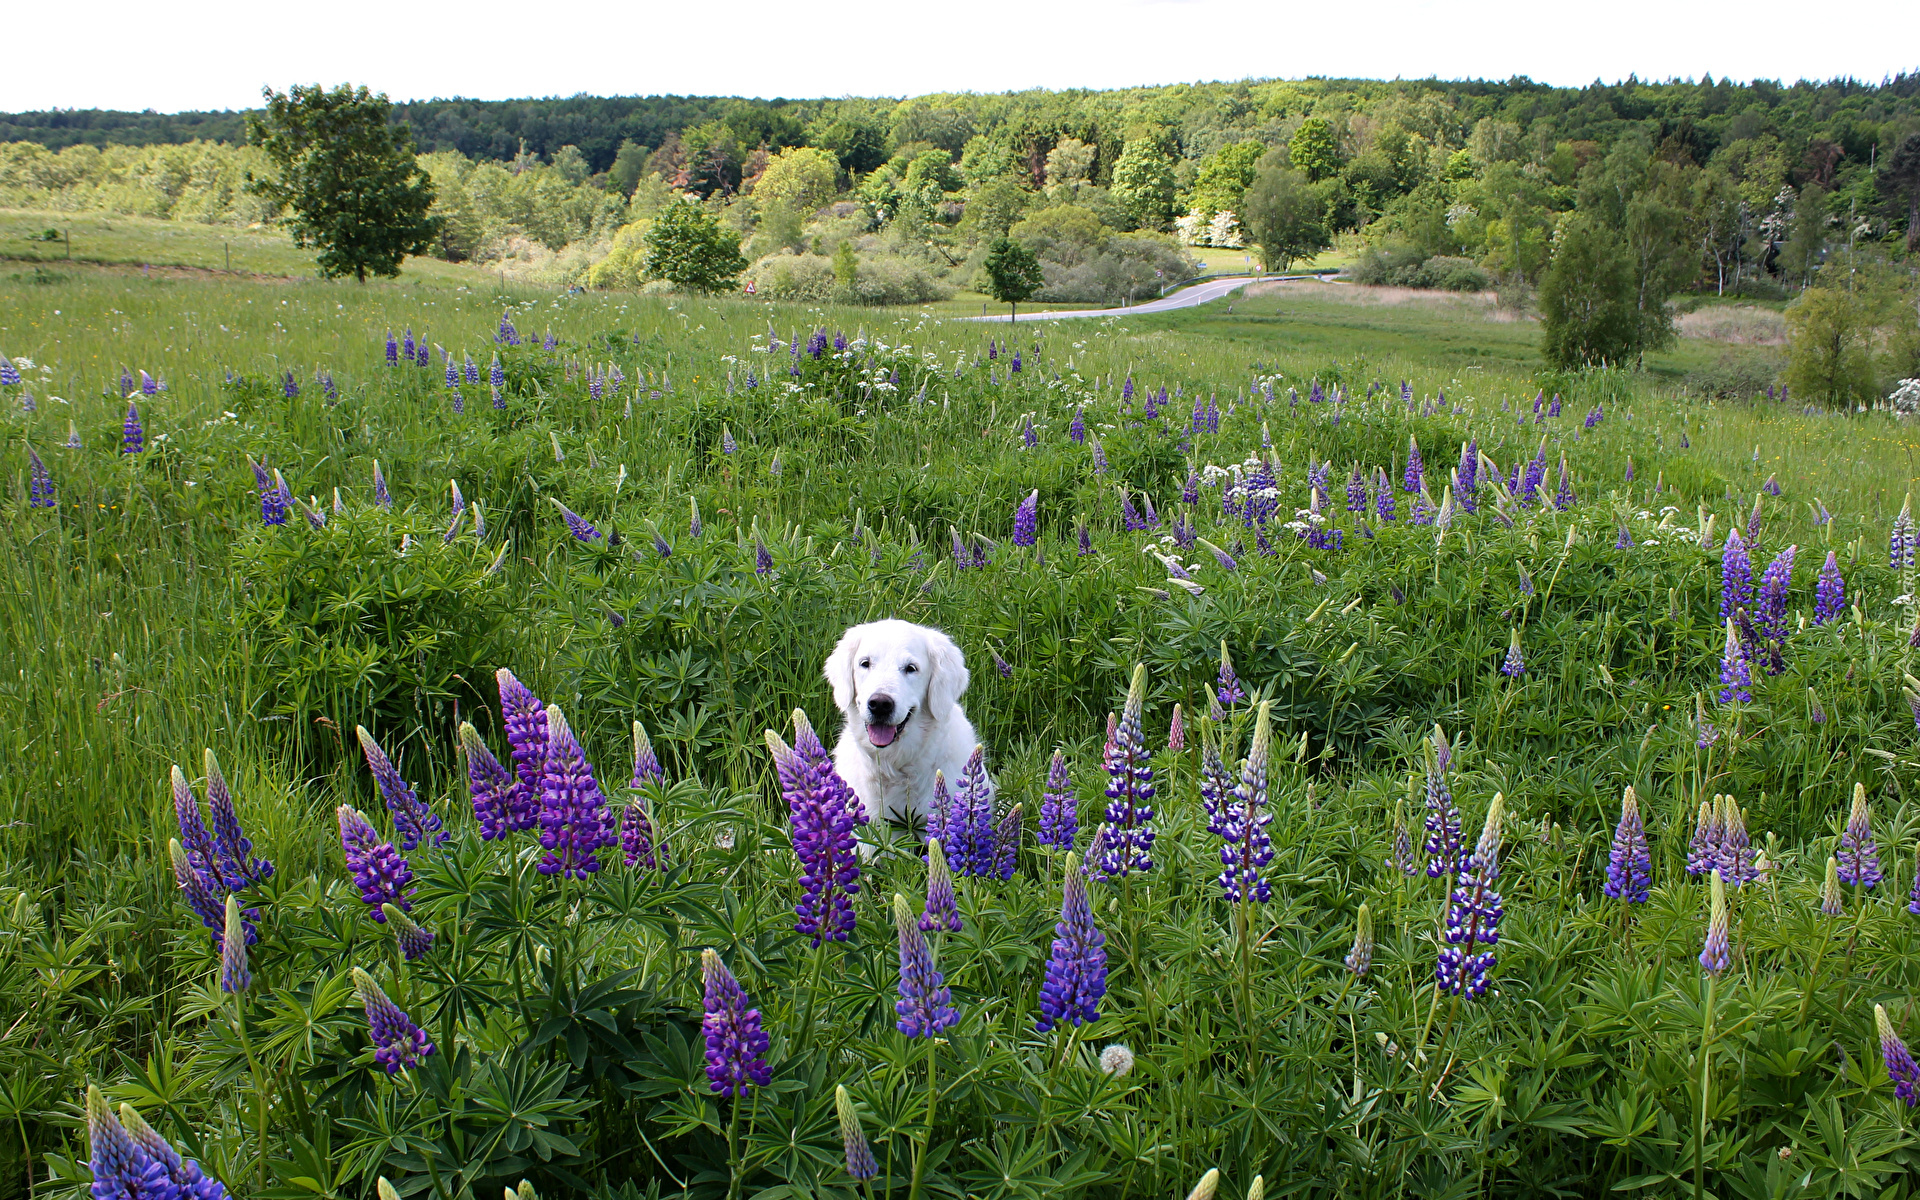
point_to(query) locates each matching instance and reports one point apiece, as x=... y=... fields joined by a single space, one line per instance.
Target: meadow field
x=1505 y=712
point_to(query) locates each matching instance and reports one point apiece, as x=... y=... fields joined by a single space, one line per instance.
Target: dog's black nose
x=880 y=709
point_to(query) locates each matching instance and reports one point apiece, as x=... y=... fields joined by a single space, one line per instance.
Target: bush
x=1085 y=261
x=804 y=277
x=1733 y=377
x=1406 y=266
x=878 y=279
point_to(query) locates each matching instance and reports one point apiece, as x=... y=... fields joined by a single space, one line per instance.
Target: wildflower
x=234 y=976
x=273 y=509
x=1703 y=852
x=1116 y=1060
x=1629 y=864
x=1716 y=955
x=1085 y=539
x=1129 y=817
x=398 y=1042
x=823 y=812
x=414 y=941
x=1076 y=976
x=762 y=557
x=860 y=1161
x=381 y=496
x=1243 y=819
x=1443 y=842
x=1859 y=856
x=1077 y=428
x=1356 y=491
x=695 y=528
x=525 y=718
x=1815 y=712
x=1059 y=810
x=231 y=860
x=1099 y=458
x=1026 y=519
x=967 y=821
x=1901 y=543
x=130 y=1159
x=40 y=493
x=1913 y=897
x=1563 y=497
x=1625 y=540
x=727 y=444
x=1228 y=686
x=1129 y=516
x=1513 y=666
x=925 y=1006
x=1414 y=479
x=1829 y=592
x=376 y=867
x=736 y=1043
x=133 y=439
x=1473 y=913
x=581 y=528
x=1736 y=857
x=500 y=804
x=573 y=812
x=1831 y=902
x=1360 y=958
x=1736 y=678
x=1900 y=1065
x=943 y=910
x=1177 y=731
x=412 y=820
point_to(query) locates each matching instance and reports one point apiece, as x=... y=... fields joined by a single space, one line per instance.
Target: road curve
x=1198 y=294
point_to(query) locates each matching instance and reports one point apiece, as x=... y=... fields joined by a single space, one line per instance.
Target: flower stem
x=733 y=1152
x=926 y=1143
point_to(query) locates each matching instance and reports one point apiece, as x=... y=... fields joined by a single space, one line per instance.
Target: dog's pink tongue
x=881 y=735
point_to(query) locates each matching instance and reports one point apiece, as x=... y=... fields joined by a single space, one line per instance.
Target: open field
x=150 y=613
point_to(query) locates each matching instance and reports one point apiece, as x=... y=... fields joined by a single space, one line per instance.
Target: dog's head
x=895 y=677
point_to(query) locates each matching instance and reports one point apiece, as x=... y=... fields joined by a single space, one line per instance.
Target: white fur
x=925 y=673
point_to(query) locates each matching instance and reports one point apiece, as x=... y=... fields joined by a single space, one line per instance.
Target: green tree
x=1315 y=149
x=1587 y=310
x=1857 y=319
x=1143 y=183
x=846 y=267
x=859 y=145
x=628 y=166
x=1899 y=181
x=802 y=177
x=1224 y=177
x=1285 y=215
x=1013 y=273
x=687 y=248
x=346 y=178
x=1800 y=257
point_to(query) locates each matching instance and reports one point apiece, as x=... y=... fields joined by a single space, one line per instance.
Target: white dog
x=898 y=688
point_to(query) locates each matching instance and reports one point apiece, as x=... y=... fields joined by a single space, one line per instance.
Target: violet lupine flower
x=966 y=819
x=73 y=441
x=1028 y=437
x=1216 y=789
x=1126 y=389
x=149 y=386
x=273 y=510
x=414 y=941
x=1360 y=959
x=413 y=820
x=1077 y=428
x=1753 y=521
x=1625 y=540
x=377 y=868
x=1467 y=478
x=1703 y=852
x=1443 y=844
x=1059 y=809
x=1415 y=477
x=736 y=1043
x=925 y=1006
x=1076 y=978
x=1859 y=855
x=10 y=374
x=1129 y=515
x=1901 y=1070
x=727 y=444
x=496 y=376
x=507 y=335
x=1513 y=666
x=1913 y=897
x=1228 y=686
x=1177 y=731
x=381 y=496
x=1716 y=955
x=1401 y=859
x=823 y=812
x=1736 y=855
x=232 y=852
x=573 y=813
x=398 y=1042
x=393 y=350
x=193 y=830
x=581 y=528
x=1829 y=592
x=1243 y=820
x=762 y=557
x=1736 y=677
x=1220 y=556
x=1736 y=579
x=1629 y=863
x=1026 y=519
x=525 y=719
x=1384 y=505
x=1085 y=539
x=1129 y=816
x=156 y=1168
x=943 y=910
x=133 y=438
x=1770 y=610
x=1563 y=497
x=1099 y=458
x=695 y=527
x=500 y=804
x=1000 y=663
x=860 y=1161
x=234 y=976
x=1356 y=491
x=1006 y=844
x=199 y=889
x=1474 y=910
x=1902 y=541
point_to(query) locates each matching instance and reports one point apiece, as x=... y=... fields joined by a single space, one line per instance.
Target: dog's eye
x=865 y=663
x=908 y=669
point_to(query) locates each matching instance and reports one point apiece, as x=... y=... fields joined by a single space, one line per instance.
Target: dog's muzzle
x=883 y=735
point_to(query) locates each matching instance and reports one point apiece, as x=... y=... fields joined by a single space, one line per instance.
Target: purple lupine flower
x=398 y=1042
x=1356 y=491
x=1059 y=809
x=1099 y=457
x=1736 y=856
x=1415 y=477
x=1770 y=611
x=500 y=804
x=1474 y=910
x=525 y=719
x=393 y=350
x=453 y=372
x=637 y=835
x=289 y=386
x=1190 y=491
x=547 y=342
x=1563 y=498
x=925 y=1006
x=1228 y=686
x=968 y=824
x=1026 y=519
x=762 y=557
x=133 y=438
x=377 y=868
x=1716 y=954
x=1467 y=478
x=1126 y=389
x=860 y=1161
x=1625 y=540
x=1129 y=515
x=1703 y=852
x=943 y=910
x=1913 y=897
x=1513 y=666
x=406 y=346
x=1629 y=863
x=414 y=941
x=1076 y=978
x=1077 y=428
x=188 y=1180
x=1443 y=844
x=581 y=528
x=496 y=376
x=1736 y=676
x=507 y=335
x=1000 y=663
x=381 y=496
x=1401 y=859
x=1859 y=856
x=1901 y=543
x=73 y=437
x=232 y=852
x=1629 y=478
x=193 y=829
x=1829 y=592
x=200 y=889
x=1243 y=819
x=573 y=812
x=1901 y=1070
x=1028 y=437
x=273 y=510
x=1152 y=519
x=736 y=1044
x=131 y=1160
x=1085 y=540
x=1129 y=815
x=413 y=820
x=823 y=812
x=1360 y=959
x=422 y=355
x=149 y=386
x=1177 y=731
x=1216 y=789
x=1006 y=844
x=1384 y=505
x=1536 y=477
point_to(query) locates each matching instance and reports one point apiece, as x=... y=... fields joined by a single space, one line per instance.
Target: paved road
x=1194 y=296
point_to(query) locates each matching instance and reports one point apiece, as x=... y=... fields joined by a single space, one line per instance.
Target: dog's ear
x=840 y=667
x=947 y=675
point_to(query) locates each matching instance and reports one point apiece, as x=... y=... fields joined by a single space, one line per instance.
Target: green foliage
x=1013 y=273
x=1224 y=177
x=1587 y=313
x=1285 y=216
x=1315 y=149
x=347 y=178
x=1143 y=183
x=687 y=248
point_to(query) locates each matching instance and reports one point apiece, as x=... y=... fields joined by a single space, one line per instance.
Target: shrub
x=1406 y=266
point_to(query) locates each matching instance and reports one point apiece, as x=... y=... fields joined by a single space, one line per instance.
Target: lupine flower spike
x=1177 y=731
x=1831 y=901
x=736 y=1043
x=1629 y=864
x=943 y=910
x=1229 y=688
x=1859 y=856
x=234 y=976
x=925 y=1006
x=398 y=1042
x=1243 y=819
x=412 y=819
x=1076 y=977
x=376 y=867
x=1129 y=829
x=574 y=822
x=823 y=813
x=1059 y=810
x=1901 y=1070
x=1443 y=843
x=414 y=941
x=500 y=805
x=1473 y=913
x=1716 y=955
x=1360 y=958
x=1513 y=666
x=860 y=1161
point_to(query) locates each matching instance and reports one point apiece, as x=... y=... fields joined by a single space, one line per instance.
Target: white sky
x=211 y=54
